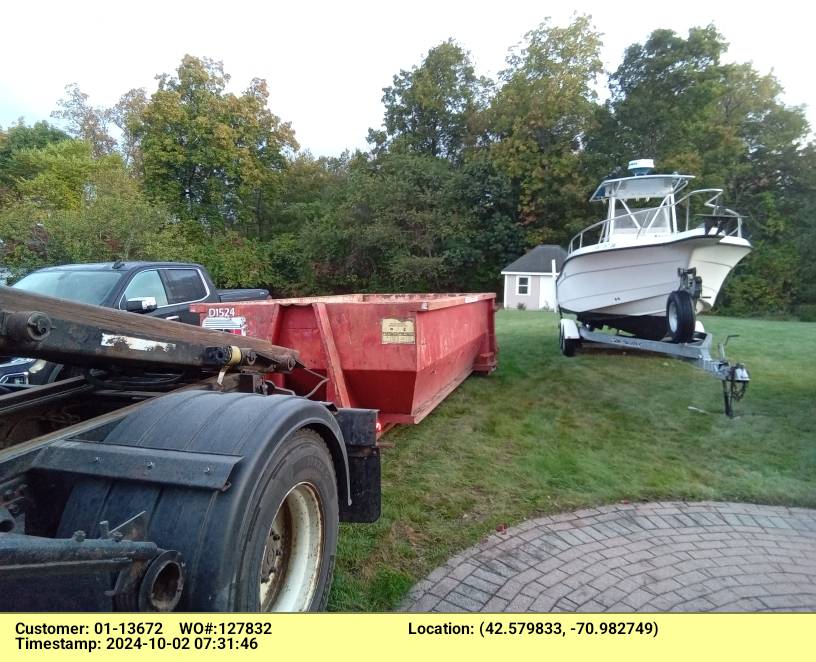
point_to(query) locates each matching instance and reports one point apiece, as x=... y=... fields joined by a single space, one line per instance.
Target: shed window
x=523 y=285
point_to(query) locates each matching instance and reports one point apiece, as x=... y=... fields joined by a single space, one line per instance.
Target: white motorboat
x=652 y=264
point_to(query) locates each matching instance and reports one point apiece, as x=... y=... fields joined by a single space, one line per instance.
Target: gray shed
x=531 y=279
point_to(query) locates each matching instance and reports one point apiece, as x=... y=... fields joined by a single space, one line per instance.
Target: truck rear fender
x=242 y=424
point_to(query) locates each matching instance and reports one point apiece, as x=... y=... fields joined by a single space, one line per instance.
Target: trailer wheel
x=266 y=543
x=680 y=317
x=567 y=345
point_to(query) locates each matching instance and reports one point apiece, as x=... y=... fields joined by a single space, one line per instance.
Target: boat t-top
x=653 y=263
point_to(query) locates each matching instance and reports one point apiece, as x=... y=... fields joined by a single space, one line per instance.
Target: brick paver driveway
x=636 y=557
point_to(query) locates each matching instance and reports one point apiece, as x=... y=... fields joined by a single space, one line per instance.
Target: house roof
x=539 y=260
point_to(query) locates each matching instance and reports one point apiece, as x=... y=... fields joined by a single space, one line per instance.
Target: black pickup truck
x=158 y=289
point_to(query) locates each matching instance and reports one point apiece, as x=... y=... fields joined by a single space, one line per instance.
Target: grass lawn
x=546 y=433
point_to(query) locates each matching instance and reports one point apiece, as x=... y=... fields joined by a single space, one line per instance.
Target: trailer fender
x=568 y=336
x=569 y=329
x=218 y=532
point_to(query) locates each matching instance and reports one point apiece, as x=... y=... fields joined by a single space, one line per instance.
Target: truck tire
x=268 y=541
x=288 y=559
x=680 y=317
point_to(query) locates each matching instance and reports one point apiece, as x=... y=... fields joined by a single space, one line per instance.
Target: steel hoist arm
x=88 y=336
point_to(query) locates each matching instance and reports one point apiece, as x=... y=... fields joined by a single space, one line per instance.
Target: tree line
x=464 y=174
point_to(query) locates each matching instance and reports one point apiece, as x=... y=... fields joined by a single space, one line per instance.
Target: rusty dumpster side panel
x=399 y=353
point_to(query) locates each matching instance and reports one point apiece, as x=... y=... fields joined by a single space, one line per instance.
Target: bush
x=806 y=312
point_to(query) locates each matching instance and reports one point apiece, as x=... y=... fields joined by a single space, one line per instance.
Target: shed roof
x=539 y=260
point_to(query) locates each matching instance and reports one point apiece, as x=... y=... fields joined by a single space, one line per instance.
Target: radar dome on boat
x=641 y=166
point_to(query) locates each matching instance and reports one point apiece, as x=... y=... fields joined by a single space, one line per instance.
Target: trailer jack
x=148 y=578
x=734 y=378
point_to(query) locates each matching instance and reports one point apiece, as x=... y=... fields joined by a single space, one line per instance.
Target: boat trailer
x=734 y=376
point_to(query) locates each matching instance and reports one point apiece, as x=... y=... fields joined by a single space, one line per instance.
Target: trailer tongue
x=182 y=467
x=733 y=376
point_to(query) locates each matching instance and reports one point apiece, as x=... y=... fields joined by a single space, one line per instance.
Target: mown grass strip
x=546 y=433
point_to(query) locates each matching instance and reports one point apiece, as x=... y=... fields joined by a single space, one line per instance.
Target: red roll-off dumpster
x=399 y=353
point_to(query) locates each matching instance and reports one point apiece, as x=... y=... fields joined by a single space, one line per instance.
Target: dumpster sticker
x=398 y=332
x=234 y=325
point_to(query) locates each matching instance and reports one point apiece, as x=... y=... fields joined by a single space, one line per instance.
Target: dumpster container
x=399 y=353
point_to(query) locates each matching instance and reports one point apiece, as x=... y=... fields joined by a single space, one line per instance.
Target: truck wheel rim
x=290 y=566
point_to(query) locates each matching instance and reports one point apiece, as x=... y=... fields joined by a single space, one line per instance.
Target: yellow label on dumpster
x=398 y=332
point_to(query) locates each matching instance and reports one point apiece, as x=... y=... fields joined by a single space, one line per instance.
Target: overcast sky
x=327 y=62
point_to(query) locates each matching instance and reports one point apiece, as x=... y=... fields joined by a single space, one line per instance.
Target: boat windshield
x=632 y=220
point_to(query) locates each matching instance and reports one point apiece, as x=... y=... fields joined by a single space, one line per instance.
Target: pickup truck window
x=146 y=284
x=184 y=285
x=81 y=286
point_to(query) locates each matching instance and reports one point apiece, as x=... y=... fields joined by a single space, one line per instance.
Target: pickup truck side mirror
x=141 y=305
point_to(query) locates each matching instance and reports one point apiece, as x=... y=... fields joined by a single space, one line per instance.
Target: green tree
x=538 y=121
x=350 y=245
x=433 y=109
x=210 y=155
x=307 y=188
x=126 y=115
x=494 y=237
x=800 y=203
x=673 y=100
x=74 y=208
x=412 y=222
x=16 y=139
x=84 y=121
x=55 y=176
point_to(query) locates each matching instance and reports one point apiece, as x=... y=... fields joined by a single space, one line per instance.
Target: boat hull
x=626 y=286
